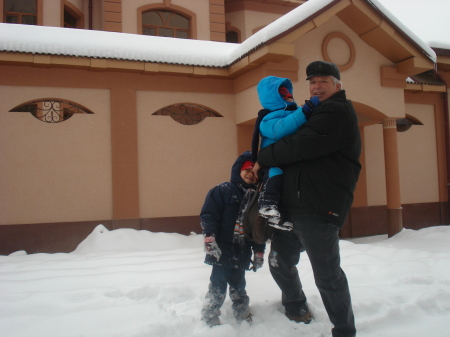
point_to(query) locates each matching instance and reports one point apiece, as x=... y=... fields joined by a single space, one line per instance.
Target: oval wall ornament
x=51 y=110
x=351 y=49
x=187 y=113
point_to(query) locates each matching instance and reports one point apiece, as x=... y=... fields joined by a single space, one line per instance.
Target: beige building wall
x=247 y=105
x=247 y=21
x=178 y=164
x=362 y=77
x=55 y=172
x=79 y=4
x=375 y=166
x=418 y=157
x=52 y=13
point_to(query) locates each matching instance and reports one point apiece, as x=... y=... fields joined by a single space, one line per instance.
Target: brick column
x=217 y=20
x=124 y=147
x=394 y=206
x=112 y=15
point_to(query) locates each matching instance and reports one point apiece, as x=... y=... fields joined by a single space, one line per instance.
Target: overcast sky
x=428 y=19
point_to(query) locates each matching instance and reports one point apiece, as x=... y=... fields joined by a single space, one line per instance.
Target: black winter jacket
x=219 y=213
x=320 y=162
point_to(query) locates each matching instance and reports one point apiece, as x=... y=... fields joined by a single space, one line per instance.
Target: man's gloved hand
x=258 y=260
x=309 y=106
x=211 y=247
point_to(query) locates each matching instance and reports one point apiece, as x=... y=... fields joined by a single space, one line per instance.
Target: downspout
x=90 y=14
x=447 y=131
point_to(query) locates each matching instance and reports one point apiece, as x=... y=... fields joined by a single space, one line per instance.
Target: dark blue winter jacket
x=320 y=162
x=219 y=213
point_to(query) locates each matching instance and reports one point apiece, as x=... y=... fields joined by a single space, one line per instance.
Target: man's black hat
x=322 y=68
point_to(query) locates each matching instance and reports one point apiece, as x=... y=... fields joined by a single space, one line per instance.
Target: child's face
x=289 y=99
x=248 y=176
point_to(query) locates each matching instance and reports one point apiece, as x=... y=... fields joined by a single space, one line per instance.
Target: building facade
x=137 y=144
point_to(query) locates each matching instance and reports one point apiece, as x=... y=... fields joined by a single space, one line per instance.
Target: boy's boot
x=268 y=201
x=211 y=306
x=240 y=306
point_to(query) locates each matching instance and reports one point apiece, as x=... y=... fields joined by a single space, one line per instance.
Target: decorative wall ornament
x=328 y=55
x=404 y=124
x=51 y=110
x=187 y=113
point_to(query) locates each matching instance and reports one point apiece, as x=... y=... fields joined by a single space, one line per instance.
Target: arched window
x=232 y=37
x=187 y=113
x=165 y=23
x=51 y=110
x=23 y=12
x=233 y=34
x=72 y=16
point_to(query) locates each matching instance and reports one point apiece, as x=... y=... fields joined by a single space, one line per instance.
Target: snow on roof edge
x=134 y=47
x=426 y=49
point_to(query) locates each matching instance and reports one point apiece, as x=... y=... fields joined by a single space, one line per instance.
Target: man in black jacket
x=321 y=167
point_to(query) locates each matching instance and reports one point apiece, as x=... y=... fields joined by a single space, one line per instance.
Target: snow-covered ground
x=140 y=284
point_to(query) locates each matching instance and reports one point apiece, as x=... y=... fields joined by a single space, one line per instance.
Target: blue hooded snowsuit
x=280 y=122
x=278 y=119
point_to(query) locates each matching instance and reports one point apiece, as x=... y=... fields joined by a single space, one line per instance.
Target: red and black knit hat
x=284 y=92
x=247 y=165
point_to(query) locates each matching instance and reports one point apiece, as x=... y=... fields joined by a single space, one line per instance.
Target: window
x=165 y=23
x=69 y=20
x=187 y=113
x=51 y=110
x=232 y=37
x=20 y=11
x=71 y=17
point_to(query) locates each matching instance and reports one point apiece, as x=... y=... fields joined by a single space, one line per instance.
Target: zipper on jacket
x=299 y=194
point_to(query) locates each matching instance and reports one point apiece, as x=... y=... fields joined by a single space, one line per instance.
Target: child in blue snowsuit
x=219 y=216
x=280 y=117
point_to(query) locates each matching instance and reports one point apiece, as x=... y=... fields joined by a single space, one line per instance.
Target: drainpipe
x=90 y=14
x=447 y=131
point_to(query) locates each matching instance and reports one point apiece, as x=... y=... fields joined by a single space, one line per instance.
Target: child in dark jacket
x=280 y=117
x=218 y=219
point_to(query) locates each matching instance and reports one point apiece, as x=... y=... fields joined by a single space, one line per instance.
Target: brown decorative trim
x=40 y=12
x=365 y=221
x=124 y=153
x=339 y=35
x=417 y=216
x=65 y=237
x=373 y=220
x=391 y=78
x=182 y=225
x=395 y=221
x=441 y=51
x=46 y=237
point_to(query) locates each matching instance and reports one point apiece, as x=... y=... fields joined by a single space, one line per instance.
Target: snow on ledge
x=134 y=47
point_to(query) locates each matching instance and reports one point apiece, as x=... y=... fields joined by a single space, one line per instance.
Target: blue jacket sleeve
x=281 y=123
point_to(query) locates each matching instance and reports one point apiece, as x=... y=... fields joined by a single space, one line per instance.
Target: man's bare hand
x=256 y=169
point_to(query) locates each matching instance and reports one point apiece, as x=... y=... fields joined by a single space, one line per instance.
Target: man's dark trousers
x=321 y=241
